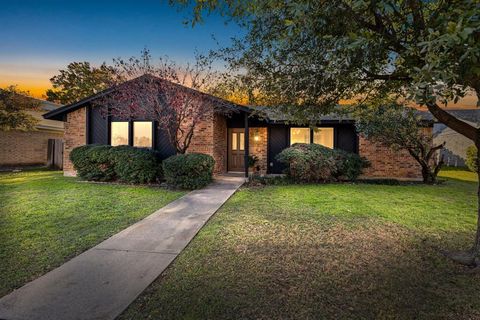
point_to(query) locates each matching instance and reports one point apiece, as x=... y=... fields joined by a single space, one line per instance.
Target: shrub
x=309 y=162
x=471 y=159
x=350 y=165
x=136 y=165
x=188 y=171
x=123 y=163
x=93 y=162
x=316 y=163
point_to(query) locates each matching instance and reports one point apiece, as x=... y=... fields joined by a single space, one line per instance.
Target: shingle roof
x=276 y=115
x=58 y=114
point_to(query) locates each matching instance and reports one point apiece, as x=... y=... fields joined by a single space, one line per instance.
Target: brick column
x=258 y=147
x=74 y=136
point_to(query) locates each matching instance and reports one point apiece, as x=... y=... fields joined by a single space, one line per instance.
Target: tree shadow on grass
x=374 y=270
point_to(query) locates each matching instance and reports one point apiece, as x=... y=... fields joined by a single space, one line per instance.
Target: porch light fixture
x=256 y=137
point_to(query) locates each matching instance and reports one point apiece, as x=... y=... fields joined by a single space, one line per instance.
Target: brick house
x=230 y=138
x=29 y=148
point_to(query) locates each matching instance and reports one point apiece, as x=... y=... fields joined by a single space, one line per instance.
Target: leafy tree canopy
x=306 y=55
x=14 y=105
x=312 y=53
x=79 y=80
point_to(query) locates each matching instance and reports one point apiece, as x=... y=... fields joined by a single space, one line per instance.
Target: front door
x=236 y=149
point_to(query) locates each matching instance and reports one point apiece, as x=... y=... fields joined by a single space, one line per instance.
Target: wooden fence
x=55 y=153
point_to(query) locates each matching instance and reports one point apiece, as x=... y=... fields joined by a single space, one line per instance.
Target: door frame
x=229 y=148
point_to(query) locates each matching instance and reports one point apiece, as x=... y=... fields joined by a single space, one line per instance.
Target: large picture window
x=142 y=134
x=323 y=136
x=119 y=133
x=299 y=135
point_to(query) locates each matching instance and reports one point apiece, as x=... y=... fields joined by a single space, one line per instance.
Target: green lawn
x=46 y=219
x=326 y=251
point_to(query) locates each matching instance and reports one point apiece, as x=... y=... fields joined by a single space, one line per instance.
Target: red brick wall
x=258 y=147
x=19 y=148
x=210 y=137
x=75 y=135
x=388 y=163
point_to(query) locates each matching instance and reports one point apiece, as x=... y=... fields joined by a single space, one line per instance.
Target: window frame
x=333 y=136
x=111 y=136
x=312 y=133
x=290 y=134
x=131 y=133
x=132 y=124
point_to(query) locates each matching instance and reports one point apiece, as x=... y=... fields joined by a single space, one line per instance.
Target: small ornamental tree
x=13 y=107
x=400 y=128
x=175 y=96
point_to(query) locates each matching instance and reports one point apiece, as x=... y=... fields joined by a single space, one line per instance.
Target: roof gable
x=60 y=113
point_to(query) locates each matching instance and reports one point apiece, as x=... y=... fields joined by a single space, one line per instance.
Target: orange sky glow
x=36 y=81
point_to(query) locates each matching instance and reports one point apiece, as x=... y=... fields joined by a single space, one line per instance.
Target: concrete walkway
x=101 y=282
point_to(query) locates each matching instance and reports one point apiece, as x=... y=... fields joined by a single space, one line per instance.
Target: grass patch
x=458 y=174
x=46 y=218
x=335 y=251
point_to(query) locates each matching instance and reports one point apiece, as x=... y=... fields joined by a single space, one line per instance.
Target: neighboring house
x=229 y=139
x=29 y=148
x=456 y=145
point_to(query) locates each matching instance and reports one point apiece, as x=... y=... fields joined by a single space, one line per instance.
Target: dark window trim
x=132 y=124
x=335 y=134
x=87 y=125
x=110 y=131
x=131 y=132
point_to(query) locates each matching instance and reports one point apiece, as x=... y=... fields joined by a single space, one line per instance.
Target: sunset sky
x=41 y=37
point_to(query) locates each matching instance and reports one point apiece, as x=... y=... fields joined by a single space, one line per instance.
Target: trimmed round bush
x=93 y=162
x=136 y=165
x=316 y=163
x=188 y=171
x=122 y=163
x=471 y=159
x=309 y=162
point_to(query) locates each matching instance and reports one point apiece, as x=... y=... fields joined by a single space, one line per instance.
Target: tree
x=79 y=80
x=163 y=92
x=472 y=158
x=307 y=54
x=400 y=128
x=14 y=105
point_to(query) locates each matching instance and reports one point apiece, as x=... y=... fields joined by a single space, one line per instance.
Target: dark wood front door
x=236 y=149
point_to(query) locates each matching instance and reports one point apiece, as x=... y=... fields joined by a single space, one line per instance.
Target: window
x=242 y=141
x=299 y=135
x=142 y=134
x=119 y=133
x=234 y=141
x=323 y=136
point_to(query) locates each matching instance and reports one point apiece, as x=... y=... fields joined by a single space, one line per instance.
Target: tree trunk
x=427 y=175
x=476 y=247
x=472 y=257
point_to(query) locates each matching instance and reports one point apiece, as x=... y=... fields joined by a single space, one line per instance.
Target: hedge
x=188 y=171
x=316 y=163
x=471 y=159
x=122 y=163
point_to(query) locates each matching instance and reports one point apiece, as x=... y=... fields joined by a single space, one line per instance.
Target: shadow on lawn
x=373 y=270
